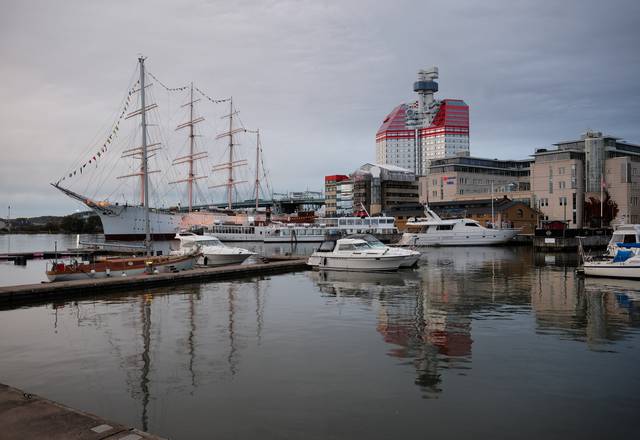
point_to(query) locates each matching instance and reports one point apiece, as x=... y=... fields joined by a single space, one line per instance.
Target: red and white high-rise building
x=415 y=133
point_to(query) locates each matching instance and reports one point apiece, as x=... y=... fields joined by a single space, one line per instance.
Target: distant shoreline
x=78 y=223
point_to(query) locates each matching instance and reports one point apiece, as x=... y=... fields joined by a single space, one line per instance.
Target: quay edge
x=66 y=289
x=24 y=415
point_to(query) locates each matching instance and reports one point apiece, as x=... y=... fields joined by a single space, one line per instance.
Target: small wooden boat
x=118 y=266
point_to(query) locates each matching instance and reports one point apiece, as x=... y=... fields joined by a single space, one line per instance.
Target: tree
x=592 y=211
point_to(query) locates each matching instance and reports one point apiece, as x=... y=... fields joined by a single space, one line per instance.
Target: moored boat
x=127 y=265
x=118 y=266
x=625 y=264
x=411 y=257
x=434 y=231
x=354 y=254
x=212 y=252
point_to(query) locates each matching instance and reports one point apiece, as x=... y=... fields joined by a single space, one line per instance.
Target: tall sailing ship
x=124 y=266
x=126 y=221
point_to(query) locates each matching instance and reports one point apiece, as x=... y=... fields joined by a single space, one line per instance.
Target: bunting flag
x=168 y=89
x=215 y=101
x=112 y=136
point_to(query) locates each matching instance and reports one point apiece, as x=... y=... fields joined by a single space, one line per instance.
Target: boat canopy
x=622 y=255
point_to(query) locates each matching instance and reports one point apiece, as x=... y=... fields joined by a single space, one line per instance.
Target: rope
x=215 y=101
x=168 y=89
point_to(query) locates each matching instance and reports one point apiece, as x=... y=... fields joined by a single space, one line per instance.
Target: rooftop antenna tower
x=426 y=86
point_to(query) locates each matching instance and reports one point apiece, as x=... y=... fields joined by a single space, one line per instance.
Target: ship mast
x=257 y=182
x=142 y=153
x=193 y=155
x=231 y=164
x=145 y=160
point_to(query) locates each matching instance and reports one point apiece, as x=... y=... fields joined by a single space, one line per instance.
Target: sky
x=317 y=77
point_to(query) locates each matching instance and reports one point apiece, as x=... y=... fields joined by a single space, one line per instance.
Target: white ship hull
x=128 y=223
x=222 y=259
x=484 y=237
x=612 y=270
x=351 y=263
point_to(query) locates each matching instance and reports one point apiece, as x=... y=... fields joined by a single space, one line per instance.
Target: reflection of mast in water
x=259 y=312
x=146 y=358
x=232 y=343
x=191 y=338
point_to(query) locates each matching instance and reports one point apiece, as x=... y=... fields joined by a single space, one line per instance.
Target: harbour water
x=34 y=270
x=484 y=342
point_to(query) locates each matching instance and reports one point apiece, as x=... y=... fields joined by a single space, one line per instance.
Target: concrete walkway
x=27 y=416
x=66 y=289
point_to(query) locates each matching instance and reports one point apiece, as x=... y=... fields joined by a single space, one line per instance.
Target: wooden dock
x=90 y=286
x=27 y=416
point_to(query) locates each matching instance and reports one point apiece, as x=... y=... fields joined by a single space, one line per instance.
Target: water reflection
x=427 y=315
x=260 y=351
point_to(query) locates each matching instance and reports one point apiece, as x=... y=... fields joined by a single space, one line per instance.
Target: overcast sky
x=317 y=77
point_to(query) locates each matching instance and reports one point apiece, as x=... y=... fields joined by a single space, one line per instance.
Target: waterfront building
x=331 y=192
x=568 y=182
x=379 y=187
x=344 y=198
x=415 y=133
x=473 y=178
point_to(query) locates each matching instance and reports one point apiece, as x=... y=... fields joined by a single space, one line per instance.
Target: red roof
x=452 y=113
x=336 y=178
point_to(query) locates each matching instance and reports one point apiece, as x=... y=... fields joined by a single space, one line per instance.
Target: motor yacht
x=411 y=257
x=354 y=254
x=625 y=263
x=431 y=230
x=624 y=234
x=212 y=251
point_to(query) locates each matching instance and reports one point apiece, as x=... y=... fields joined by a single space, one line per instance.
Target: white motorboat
x=212 y=251
x=411 y=256
x=434 y=231
x=625 y=264
x=624 y=234
x=354 y=254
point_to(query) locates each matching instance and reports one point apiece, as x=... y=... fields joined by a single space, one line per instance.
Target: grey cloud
x=316 y=77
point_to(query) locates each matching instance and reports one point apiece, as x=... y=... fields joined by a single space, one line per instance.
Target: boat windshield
x=361 y=246
x=370 y=239
x=210 y=242
x=624 y=238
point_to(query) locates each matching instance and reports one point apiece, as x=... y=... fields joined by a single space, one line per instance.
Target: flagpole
x=492 y=212
x=601 y=200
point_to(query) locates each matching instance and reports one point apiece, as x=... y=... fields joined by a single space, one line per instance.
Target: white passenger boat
x=272 y=233
x=211 y=250
x=434 y=231
x=625 y=264
x=354 y=254
x=382 y=228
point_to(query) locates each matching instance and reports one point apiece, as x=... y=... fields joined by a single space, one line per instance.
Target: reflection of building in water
x=433 y=326
x=593 y=310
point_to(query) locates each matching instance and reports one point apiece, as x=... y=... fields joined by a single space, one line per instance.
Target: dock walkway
x=27 y=416
x=65 y=289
